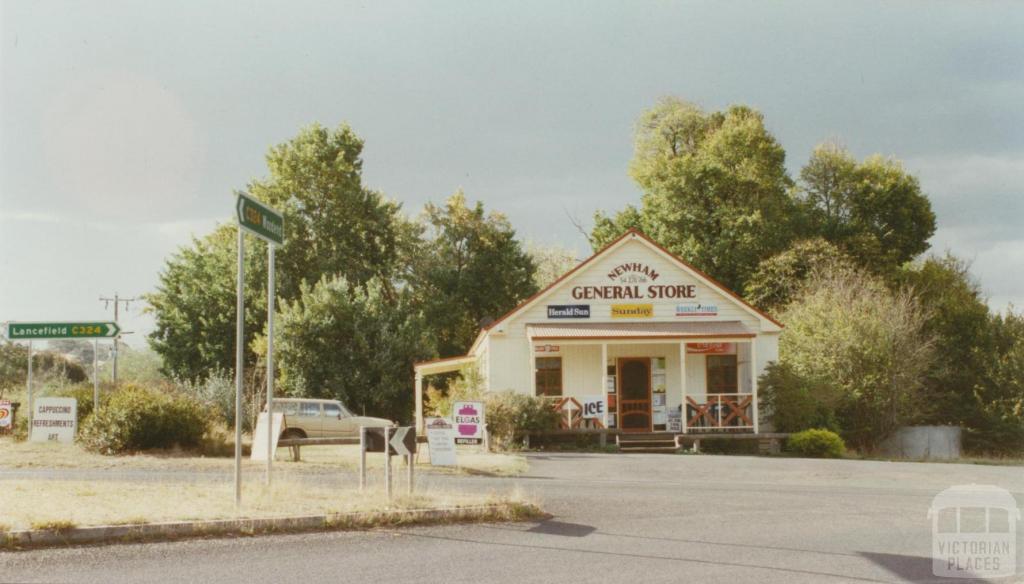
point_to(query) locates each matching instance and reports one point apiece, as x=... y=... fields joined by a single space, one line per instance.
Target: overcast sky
x=125 y=126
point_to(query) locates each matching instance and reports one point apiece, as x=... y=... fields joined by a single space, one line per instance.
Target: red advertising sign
x=711 y=348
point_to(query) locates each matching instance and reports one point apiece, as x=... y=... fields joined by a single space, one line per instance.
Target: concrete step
x=649 y=450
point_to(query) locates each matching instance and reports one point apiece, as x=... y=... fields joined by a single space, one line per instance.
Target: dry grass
x=46 y=504
x=28 y=455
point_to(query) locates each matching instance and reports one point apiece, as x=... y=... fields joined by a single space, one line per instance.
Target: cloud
x=121 y=145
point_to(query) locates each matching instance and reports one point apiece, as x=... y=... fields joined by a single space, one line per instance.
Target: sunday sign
x=632 y=283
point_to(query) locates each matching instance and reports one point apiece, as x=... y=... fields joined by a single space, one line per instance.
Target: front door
x=635 y=394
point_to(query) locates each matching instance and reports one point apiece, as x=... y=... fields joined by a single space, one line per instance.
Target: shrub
x=794 y=402
x=140 y=418
x=818 y=443
x=83 y=393
x=217 y=392
x=511 y=415
x=468 y=386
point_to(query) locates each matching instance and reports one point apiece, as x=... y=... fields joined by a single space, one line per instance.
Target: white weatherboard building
x=667 y=347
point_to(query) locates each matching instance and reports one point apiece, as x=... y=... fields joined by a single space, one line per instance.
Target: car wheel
x=292 y=433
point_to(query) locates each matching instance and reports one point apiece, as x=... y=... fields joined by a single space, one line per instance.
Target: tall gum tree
x=715 y=189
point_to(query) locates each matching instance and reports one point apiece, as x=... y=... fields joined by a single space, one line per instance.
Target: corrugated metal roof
x=640 y=330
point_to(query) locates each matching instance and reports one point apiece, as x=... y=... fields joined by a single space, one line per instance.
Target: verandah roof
x=637 y=330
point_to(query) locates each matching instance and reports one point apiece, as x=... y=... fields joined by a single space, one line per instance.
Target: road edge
x=105 y=534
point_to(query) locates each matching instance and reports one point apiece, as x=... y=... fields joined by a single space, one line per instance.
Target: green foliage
x=48 y=367
x=552 y=261
x=216 y=392
x=816 y=443
x=794 y=403
x=194 y=305
x=780 y=278
x=874 y=210
x=715 y=189
x=510 y=415
x=141 y=418
x=849 y=333
x=470 y=269
x=1000 y=425
x=468 y=386
x=334 y=226
x=83 y=394
x=350 y=343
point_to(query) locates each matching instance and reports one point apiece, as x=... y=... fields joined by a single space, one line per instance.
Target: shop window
x=549 y=376
x=722 y=374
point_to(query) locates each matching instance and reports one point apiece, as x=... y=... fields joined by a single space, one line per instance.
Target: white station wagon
x=321 y=418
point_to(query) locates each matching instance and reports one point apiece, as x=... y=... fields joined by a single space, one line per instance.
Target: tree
x=194 y=305
x=848 y=333
x=551 y=261
x=1001 y=424
x=716 y=191
x=333 y=226
x=352 y=343
x=873 y=210
x=471 y=269
x=958 y=319
x=779 y=278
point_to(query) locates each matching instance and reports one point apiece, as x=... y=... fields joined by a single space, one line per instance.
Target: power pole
x=117 y=300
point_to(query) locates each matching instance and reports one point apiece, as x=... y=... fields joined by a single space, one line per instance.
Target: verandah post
x=684 y=418
x=753 y=382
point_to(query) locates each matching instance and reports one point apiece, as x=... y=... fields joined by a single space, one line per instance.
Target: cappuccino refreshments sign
x=441 y=442
x=54 y=419
x=469 y=422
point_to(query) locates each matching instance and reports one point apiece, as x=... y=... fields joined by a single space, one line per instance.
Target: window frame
x=543 y=388
x=708 y=379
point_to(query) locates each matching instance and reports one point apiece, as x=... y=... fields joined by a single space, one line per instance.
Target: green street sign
x=259 y=219
x=29 y=331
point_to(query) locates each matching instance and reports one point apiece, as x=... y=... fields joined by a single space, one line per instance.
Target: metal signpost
x=268 y=225
x=43 y=331
x=391 y=441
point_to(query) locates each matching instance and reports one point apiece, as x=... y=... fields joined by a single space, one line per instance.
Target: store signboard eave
x=260 y=220
x=41 y=331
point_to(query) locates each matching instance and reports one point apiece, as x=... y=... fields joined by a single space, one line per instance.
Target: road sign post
x=387 y=461
x=239 y=345
x=30 y=387
x=362 y=458
x=267 y=224
x=95 y=376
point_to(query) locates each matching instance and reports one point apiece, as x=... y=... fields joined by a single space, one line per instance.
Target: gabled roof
x=708 y=280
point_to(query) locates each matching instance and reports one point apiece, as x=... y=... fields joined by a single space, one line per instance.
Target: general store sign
x=54 y=419
x=469 y=422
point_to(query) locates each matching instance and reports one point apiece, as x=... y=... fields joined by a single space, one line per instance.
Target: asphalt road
x=617 y=518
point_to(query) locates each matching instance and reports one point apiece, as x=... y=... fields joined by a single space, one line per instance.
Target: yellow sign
x=632 y=311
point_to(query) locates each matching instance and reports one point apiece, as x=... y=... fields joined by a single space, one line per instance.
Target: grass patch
x=55 y=504
x=55 y=525
x=28 y=455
